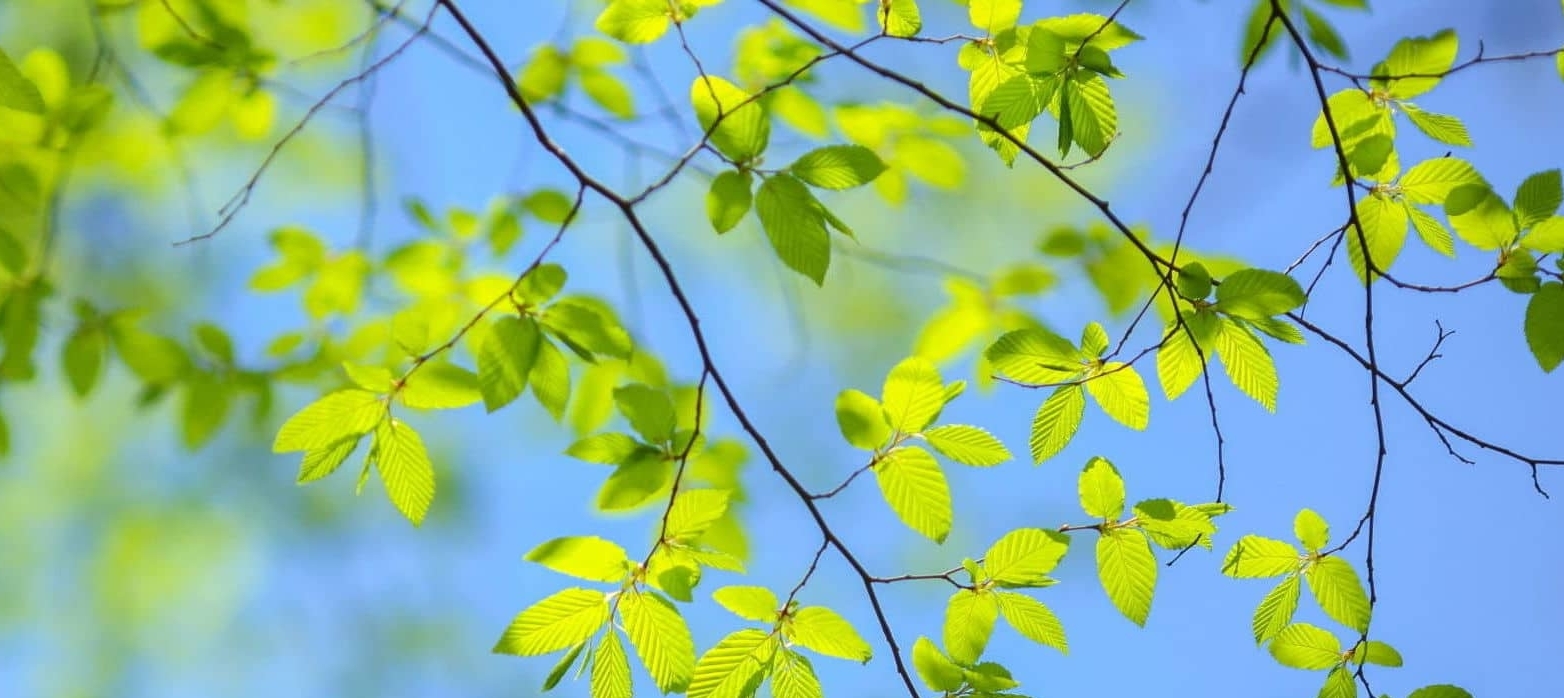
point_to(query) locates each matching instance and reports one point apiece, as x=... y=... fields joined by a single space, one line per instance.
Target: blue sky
x=1466 y=565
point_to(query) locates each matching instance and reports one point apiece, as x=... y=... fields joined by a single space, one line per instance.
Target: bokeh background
x=131 y=567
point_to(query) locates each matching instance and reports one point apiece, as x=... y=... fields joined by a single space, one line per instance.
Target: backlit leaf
x=1056 y=421
x=913 y=395
x=566 y=618
x=968 y=445
x=969 y=622
x=1336 y=588
x=404 y=469
x=586 y=557
x=914 y=486
x=822 y=630
x=1033 y=620
x=661 y=639
x=1128 y=572
x=1303 y=646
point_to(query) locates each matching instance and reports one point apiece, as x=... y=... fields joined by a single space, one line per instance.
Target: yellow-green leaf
x=1276 y=609
x=1303 y=646
x=1121 y=393
x=822 y=630
x=968 y=445
x=440 y=386
x=913 y=395
x=936 y=669
x=1248 y=364
x=1336 y=588
x=505 y=357
x=731 y=666
x=1101 y=490
x=969 y=622
x=915 y=488
x=565 y=618
x=611 y=669
x=749 y=602
x=1253 y=557
x=793 y=222
x=1056 y=421
x=861 y=420
x=1033 y=620
x=1384 y=225
x=1311 y=530
x=1024 y=556
x=635 y=21
x=586 y=557
x=330 y=419
x=661 y=639
x=838 y=166
x=738 y=124
x=405 y=469
x=1128 y=572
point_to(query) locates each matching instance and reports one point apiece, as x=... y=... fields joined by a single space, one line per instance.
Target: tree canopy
x=727 y=348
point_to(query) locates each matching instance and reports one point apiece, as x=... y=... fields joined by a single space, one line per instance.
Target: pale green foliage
x=565 y=618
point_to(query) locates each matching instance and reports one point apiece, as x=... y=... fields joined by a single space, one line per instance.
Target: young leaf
x=744 y=129
x=1247 y=363
x=16 y=91
x=1440 y=127
x=730 y=666
x=330 y=419
x=838 y=166
x=440 y=386
x=1257 y=294
x=611 y=669
x=822 y=630
x=1384 y=225
x=558 y=672
x=1276 y=609
x=1194 y=282
x=913 y=395
x=899 y=18
x=1538 y=198
x=792 y=676
x=1032 y=619
x=750 y=603
x=635 y=482
x=1056 y=422
x=1101 y=490
x=568 y=617
x=861 y=420
x=1311 y=530
x=1433 y=233
x=1376 y=652
x=1423 y=55
x=729 y=199
x=1545 y=325
x=661 y=639
x=1121 y=393
x=649 y=411
x=82 y=357
x=1339 y=684
x=1254 y=557
x=404 y=469
x=1179 y=363
x=967 y=445
x=607 y=448
x=1446 y=690
x=634 y=21
x=585 y=557
x=1035 y=355
x=1128 y=572
x=1336 y=587
x=792 y=220
x=505 y=358
x=550 y=379
x=914 y=486
x=693 y=511
x=1480 y=217
x=993 y=16
x=969 y=622
x=1024 y=556
x=1303 y=646
x=938 y=672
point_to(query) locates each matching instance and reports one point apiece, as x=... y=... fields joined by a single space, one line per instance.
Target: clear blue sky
x=1466 y=560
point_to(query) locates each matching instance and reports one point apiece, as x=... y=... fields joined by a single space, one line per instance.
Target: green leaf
x=1024 y=556
x=1121 y=393
x=607 y=448
x=16 y=91
x=838 y=166
x=586 y=557
x=1179 y=362
x=1276 y=609
x=792 y=676
x=729 y=199
x=914 y=486
x=750 y=603
x=1446 y=690
x=822 y=630
x=1035 y=356
x=1384 y=224
x=1094 y=340
x=558 y=672
x=730 y=666
x=608 y=91
x=1056 y=422
x=1545 y=325
x=1336 y=588
x=861 y=420
x=969 y=622
x=1381 y=653
x=1248 y=364
x=1311 y=530
x=744 y=128
x=938 y=672
x=692 y=513
x=899 y=18
x=1194 y=282
x=550 y=379
x=792 y=220
x=1538 y=198
x=1033 y=620
x=1430 y=55
x=635 y=482
x=440 y=386
x=649 y=410
x=1303 y=646
x=323 y=461
x=584 y=323
x=1440 y=127
x=1480 y=217
x=1433 y=233
x=661 y=639
x=330 y=419
x=913 y=395
x=1432 y=180
x=82 y=357
x=405 y=469
x=1321 y=33
x=1339 y=684
x=968 y=445
x=1094 y=121
x=1356 y=116
x=568 y=617
x=1546 y=236
x=541 y=79
x=206 y=401
x=1257 y=294
x=1172 y=525
x=1128 y=572
x=993 y=16
x=1253 y=557
x=634 y=21
x=505 y=357
x=611 y=669
x=1101 y=490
